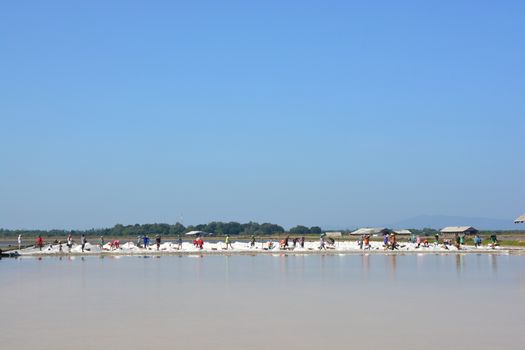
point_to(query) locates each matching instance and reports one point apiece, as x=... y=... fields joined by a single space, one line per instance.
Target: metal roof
x=196 y=233
x=370 y=231
x=458 y=229
x=403 y=232
x=520 y=219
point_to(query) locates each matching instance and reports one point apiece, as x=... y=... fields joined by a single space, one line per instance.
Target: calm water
x=262 y=302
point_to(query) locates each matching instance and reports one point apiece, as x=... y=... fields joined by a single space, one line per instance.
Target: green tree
x=297 y=230
x=316 y=229
x=176 y=229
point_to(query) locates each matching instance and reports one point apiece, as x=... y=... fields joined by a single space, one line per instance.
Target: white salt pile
x=129 y=248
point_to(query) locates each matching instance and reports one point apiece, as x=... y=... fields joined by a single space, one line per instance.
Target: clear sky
x=331 y=113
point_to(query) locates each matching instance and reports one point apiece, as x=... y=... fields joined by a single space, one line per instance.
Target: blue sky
x=331 y=113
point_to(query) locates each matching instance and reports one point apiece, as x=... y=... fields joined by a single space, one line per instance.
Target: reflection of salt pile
x=220 y=247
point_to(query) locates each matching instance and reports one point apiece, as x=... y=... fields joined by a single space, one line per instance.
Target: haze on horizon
x=305 y=112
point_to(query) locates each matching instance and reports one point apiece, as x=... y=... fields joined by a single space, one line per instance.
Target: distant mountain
x=440 y=221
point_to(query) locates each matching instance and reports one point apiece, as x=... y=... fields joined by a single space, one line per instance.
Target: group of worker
x=39 y=243
x=389 y=242
x=285 y=242
x=458 y=241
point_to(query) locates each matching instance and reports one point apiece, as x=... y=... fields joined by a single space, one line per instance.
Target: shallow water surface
x=261 y=302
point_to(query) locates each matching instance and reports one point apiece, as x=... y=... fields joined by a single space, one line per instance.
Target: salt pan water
x=260 y=302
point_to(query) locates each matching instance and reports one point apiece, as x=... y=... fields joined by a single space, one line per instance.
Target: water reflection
x=493 y=259
x=283 y=266
x=419 y=261
x=459 y=263
x=227 y=267
x=392 y=262
x=113 y=299
x=365 y=263
x=322 y=265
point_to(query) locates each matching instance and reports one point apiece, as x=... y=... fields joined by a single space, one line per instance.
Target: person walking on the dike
x=83 y=241
x=227 y=242
x=157 y=241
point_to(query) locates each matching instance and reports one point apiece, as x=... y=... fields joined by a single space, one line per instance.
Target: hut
x=334 y=234
x=466 y=230
x=520 y=219
x=371 y=231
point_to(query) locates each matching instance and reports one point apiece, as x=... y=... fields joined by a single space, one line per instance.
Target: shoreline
x=277 y=253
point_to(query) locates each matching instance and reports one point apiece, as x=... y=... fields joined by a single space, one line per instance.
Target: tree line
x=215 y=227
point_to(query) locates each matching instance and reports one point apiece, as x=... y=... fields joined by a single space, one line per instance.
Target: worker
x=39 y=242
x=227 y=242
